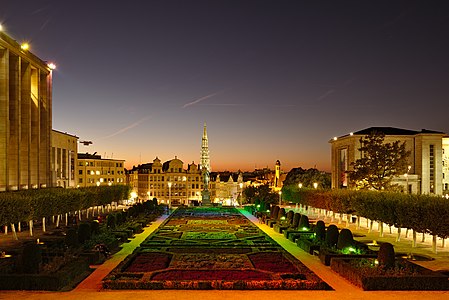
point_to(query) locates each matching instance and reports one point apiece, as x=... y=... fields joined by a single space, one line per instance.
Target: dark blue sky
x=272 y=79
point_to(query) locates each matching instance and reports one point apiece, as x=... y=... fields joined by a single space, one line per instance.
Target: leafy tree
x=380 y=163
x=307 y=178
x=260 y=193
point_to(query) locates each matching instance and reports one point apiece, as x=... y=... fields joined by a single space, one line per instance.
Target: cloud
x=128 y=127
x=325 y=95
x=196 y=101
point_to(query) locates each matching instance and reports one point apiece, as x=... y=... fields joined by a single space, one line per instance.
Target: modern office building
x=25 y=117
x=64 y=159
x=93 y=170
x=425 y=174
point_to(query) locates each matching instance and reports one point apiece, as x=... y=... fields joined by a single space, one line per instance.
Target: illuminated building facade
x=169 y=182
x=445 y=152
x=425 y=174
x=93 y=170
x=64 y=160
x=25 y=117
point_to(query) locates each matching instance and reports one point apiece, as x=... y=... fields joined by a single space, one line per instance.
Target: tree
x=380 y=163
x=260 y=193
x=307 y=178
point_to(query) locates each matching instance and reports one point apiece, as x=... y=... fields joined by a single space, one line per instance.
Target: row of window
x=101 y=180
x=102 y=172
x=100 y=164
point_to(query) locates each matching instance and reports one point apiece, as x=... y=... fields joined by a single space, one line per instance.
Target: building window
x=80 y=172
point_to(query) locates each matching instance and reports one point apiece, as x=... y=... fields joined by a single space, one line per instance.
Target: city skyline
x=272 y=80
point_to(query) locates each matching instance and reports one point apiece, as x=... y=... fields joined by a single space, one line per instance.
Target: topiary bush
x=84 y=232
x=345 y=239
x=332 y=234
x=274 y=212
x=296 y=218
x=320 y=230
x=386 y=256
x=281 y=213
x=111 y=221
x=31 y=258
x=304 y=223
x=71 y=238
x=289 y=217
x=95 y=227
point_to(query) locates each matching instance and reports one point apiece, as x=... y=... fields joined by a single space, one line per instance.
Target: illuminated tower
x=277 y=183
x=205 y=168
x=205 y=160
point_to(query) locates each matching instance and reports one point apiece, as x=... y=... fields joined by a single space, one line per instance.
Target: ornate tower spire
x=205 y=160
x=205 y=168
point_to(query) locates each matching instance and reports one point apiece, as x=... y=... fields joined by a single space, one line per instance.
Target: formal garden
x=368 y=264
x=63 y=233
x=211 y=248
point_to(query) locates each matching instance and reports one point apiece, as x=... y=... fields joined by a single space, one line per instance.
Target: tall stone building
x=25 y=117
x=425 y=174
x=64 y=160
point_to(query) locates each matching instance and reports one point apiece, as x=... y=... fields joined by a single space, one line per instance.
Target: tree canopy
x=307 y=178
x=260 y=193
x=379 y=164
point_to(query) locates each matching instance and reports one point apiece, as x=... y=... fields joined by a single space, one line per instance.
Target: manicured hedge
x=20 y=206
x=424 y=279
x=422 y=213
x=49 y=282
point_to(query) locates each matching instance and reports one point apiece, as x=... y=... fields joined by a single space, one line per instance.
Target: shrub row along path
x=90 y=288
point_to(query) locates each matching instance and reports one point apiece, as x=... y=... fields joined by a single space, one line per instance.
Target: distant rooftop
x=395 y=131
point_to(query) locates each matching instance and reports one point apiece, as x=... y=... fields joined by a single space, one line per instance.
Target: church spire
x=205 y=160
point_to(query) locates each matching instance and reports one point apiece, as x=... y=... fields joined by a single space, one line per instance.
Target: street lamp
x=315 y=185
x=406 y=179
x=300 y=185
x=280 y=198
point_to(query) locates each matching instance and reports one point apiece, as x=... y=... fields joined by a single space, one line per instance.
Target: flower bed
x=405 y=276
x=149 y=261
x=211 y=249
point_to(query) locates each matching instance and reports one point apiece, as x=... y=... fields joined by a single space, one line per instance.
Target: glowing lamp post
x=315 y=185
x=406 y=178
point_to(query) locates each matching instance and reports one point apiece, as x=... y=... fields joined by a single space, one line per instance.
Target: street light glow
x=52 y=66
x=25 y=46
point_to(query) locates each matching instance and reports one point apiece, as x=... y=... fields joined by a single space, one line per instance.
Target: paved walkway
x=90 y=288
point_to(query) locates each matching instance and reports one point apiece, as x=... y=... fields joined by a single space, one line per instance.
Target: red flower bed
x=211 y=275
x=149 y=261
x=274 y=262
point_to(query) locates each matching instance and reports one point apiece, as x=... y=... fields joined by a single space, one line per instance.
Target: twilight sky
x=272 y=79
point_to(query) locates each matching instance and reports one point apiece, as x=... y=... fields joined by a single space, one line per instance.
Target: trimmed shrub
x=274 y=212
x=71 y=238
x=345 y=239
x=386 y=256
x=332 y=234
x=84 y=232
x=296 y=218
x=320 y=230
x=290 y=215
x=281 y=213
x=304 y=223
x=95 y=227
x=31 y=258
x=111 y=221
